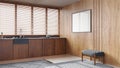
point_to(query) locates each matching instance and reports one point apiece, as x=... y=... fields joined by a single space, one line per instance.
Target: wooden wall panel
x=110 y=20
x=76 y=41
x=105 y=35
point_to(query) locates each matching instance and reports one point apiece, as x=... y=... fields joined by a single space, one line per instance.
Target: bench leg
x=94 y=59
x=103 y=59
x=82 y=57
x=90 y=58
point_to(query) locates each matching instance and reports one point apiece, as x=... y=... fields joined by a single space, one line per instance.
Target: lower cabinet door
x=49 y=47
x=35 y=48
x=20 y=51
x=6 y=50
x=60 y=46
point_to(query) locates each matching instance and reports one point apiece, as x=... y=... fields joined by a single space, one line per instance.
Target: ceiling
x=51 y=3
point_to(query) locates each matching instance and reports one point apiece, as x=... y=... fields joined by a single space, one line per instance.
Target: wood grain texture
x=20 y=51
x=76 y=42
x=105 y=35
x=35 y=48
x=49 y=47
x=60 y=46
x=6 y=50
x=110 y=27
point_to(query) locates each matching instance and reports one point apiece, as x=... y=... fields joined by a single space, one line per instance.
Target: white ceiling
x=51 y=3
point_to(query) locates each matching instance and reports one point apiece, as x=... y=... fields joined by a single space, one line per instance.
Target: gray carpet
x=46 y=64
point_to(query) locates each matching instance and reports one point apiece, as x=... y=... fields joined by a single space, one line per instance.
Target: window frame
x=33 y=20
x=49 y=22
x=17 y=31
x=33 y=5
x=13 y=11
x=90 y=30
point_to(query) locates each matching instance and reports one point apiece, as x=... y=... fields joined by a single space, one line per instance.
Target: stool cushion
x=92 y=53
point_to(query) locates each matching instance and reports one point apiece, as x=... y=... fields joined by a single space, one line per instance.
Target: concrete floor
x=45 y=64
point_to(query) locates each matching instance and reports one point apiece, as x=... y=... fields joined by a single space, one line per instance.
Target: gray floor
x=45 y=64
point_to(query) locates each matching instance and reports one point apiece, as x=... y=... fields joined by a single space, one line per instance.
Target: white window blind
x=7 y=18
x=23 y=20
x=52 y=22
x=39 y=21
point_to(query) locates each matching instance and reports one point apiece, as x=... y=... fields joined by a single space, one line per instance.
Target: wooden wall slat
x=76 y=41
x=105 y=25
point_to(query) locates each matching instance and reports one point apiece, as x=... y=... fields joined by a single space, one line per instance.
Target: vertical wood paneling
x=96 y=24
x=20 y=51
x=15 y=19
x=48 y=47
x=60 y=47
x=46 y=20
x=6 y=50
x=76 y=41
x=32 y=20
x=35 y=48
x=110 y=30
x=105 y=35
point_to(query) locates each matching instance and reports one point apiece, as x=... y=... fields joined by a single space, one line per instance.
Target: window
x=28 y=20
x=24 y=20
x=52 y=22
x=81 y=22
x=39 y=21
x=7 y=18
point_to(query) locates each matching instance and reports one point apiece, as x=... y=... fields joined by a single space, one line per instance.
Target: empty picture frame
x=81 y=21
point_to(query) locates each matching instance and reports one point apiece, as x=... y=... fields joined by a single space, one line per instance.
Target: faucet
x=20 y=36
x=2 y=35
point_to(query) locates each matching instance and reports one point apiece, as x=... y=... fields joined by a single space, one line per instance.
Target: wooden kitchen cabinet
x=35 y=47
x=29 y=48
x=48 y=46
x=6 y=49
x=20 y=48
x=20 y=51
x=60 y=46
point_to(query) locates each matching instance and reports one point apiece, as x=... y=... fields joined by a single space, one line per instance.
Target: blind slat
x=39 y=24
x=7 y=18
x=52 y=22
x=23 y=20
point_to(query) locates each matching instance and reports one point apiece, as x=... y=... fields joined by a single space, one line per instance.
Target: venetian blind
x=52 y=22
x=39 y=21
x=23 y=20
x=7 y=18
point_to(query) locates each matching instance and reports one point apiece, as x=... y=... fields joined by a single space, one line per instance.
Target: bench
x=93 y=54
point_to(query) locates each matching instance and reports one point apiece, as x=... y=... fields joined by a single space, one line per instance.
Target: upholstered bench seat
x=93 y=53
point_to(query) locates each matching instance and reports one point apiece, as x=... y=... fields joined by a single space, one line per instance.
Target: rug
x=62 y=59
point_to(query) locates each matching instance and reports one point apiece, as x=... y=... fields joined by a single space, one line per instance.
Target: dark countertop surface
x=31 y=38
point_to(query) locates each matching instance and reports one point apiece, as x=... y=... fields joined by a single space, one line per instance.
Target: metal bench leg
x=82 y=57
x=94 y=59
x=90 y=58
x=103 y=59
